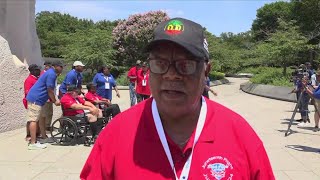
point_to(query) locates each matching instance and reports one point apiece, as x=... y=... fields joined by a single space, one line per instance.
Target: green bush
x=122 y=80
x=60 y=78
x=271 y=76
x=215 y=75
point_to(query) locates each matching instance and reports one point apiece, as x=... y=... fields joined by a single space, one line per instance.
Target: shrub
x=271 y=76
x=122 y=80
x=215 y=75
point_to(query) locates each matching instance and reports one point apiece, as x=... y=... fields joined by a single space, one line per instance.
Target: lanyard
x=186 y=168
x=106 y=78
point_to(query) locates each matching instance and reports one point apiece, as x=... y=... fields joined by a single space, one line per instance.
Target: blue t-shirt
x=100 y=79
x=38 y=94
x=72 y=78
x=316 y=93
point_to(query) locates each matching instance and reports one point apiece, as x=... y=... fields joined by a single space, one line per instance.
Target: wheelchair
x=71 y=130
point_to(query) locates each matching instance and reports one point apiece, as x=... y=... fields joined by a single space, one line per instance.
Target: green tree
x=283 y=46
x=94 y=49
x=132 y=35
x=266 y=21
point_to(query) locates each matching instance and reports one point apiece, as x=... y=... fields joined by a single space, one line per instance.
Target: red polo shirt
x=140 y=89
x=132 y=72
x=130 y=148
x=67 y=100
x=28 y=83
x=91 y=97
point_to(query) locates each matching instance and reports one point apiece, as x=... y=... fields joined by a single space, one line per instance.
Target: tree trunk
x=284 y=72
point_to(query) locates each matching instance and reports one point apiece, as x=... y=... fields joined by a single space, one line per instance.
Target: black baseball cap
x=33 y=67
x=186 y=33
x=47 y=62
x=57 y=63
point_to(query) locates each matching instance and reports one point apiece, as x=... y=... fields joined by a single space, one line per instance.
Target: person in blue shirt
x=105 y=82
x=73 y=77
x=38 y=95
x=315 y=93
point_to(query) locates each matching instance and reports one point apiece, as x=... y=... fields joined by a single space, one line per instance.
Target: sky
x=217 y=16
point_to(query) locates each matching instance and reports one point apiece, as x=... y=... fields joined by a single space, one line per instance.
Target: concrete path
x=293 y=158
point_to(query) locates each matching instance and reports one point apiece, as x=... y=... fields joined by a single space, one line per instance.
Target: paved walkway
x=293 y=158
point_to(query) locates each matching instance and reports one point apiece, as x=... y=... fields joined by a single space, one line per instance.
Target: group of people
x=41 y=93
x=139 y=88
x=306 y=82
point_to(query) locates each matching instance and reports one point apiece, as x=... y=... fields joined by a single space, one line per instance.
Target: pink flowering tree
x=133 y=34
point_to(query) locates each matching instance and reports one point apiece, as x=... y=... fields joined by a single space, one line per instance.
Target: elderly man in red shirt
x=102 y=103
x=178 y=134
x=142 y=86
x=132 y=76
x=73 y=105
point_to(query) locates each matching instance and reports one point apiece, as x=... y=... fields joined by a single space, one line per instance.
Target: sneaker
x=315 y=129
x=36 y=146
x=303 y=124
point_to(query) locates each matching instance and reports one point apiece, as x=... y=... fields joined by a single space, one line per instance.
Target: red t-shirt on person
x=28 y=83
x=133 y=72
x=91 y=97
x=130 y=148
x=143 y=88
x=67 y=101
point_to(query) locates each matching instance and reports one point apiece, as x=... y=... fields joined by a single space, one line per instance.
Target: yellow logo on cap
x=174 y=27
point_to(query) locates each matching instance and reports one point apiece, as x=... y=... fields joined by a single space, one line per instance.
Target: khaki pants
x=46 y=113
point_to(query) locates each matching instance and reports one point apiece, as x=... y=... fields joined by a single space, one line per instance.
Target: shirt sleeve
x=51 y=80
x=80 y=81
x=114 y=82
x=260 y=165
x=316 y=93
x=100 y=163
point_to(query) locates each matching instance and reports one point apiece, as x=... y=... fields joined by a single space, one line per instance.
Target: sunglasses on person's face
x=183 y=67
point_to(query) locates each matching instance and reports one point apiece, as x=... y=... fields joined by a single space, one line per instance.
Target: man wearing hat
x=73 y=77
x=28 y=83
x=76 y=106
x=94 y=98
x=132 y=76
x=315 y=93
x=38 y=95
x=178 y=134
x=47 y=66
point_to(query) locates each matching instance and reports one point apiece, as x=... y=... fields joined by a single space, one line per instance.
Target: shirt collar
x=149 y=129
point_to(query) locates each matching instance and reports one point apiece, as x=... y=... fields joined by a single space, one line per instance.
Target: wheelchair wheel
x=64 y=131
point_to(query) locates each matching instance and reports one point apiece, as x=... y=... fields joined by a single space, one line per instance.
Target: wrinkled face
x=175 y=93
x=79 y=68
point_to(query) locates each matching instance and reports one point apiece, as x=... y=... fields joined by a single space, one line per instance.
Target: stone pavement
x=293 y=158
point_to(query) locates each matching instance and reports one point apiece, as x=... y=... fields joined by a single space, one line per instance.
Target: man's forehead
x=169 y=49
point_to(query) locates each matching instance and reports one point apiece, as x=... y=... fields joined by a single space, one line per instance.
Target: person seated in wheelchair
x=75 y=106
x=102 y=103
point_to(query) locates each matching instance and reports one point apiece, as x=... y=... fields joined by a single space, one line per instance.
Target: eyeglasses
x=183 y=67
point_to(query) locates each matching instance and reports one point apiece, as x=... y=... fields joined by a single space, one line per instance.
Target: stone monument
x=19 y=47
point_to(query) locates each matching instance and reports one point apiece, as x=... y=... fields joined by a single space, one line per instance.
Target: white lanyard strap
x=186 y=168
x=106 y=78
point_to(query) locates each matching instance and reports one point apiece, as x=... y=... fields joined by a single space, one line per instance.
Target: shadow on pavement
x=303 y=148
